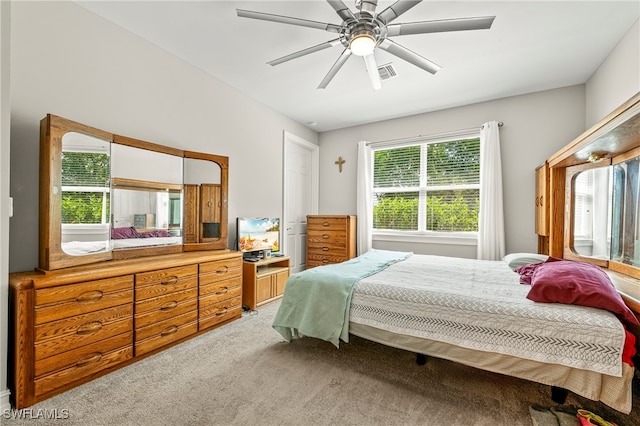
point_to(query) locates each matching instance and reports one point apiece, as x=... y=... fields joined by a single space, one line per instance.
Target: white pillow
x=518 y=259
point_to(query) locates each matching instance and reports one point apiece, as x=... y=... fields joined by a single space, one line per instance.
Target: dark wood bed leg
x=421 y=359
x=559 y=395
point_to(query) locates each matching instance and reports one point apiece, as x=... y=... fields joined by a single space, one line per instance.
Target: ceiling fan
x=365 y=30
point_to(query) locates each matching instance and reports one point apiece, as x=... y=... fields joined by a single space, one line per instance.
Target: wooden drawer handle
x=169 y=330
x=222 y=312
x=90 y=296
x=93 y=358
x=170 y=280
x=326 y=237
x=223 y=290
x=325 y=248
x=222 y=270
x=325 y=261
x=168 y=306
x=89 y=328
x=325 y=224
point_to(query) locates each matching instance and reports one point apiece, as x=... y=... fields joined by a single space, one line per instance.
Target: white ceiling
x=532 y=46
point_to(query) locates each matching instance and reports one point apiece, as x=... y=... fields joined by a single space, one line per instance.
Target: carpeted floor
x=244 y=373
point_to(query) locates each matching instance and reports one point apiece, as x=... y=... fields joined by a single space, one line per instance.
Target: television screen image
x=256 y=234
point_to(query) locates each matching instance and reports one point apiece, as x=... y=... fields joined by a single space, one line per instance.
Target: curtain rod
x=456 y=133
x=500 y=124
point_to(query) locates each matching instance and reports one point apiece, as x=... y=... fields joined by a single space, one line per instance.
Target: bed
x=122 y=238
x=470 y=311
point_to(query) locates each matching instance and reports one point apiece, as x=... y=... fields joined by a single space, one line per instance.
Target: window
x=427 y=187
x=85 y=187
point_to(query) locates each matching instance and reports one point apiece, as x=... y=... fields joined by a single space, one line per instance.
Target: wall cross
x=340 y=162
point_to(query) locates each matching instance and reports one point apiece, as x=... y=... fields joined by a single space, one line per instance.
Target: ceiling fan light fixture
x=362 y=44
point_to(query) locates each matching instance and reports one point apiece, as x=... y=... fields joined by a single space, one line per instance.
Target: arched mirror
x=205 y=201
x=106 y=196
x=604 y=220
x=78 y=138
x=591 y=192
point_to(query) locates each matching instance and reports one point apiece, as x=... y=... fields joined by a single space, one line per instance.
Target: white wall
x=69 y=62
x=535 y=126
x=617 y=79
x=5 y=116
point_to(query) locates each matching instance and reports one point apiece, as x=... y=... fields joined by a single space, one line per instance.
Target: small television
x=257 y=235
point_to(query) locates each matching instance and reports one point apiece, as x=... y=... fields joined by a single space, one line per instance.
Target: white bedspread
x=481 y=305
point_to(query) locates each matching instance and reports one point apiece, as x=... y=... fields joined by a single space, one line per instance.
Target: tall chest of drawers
x=330 y=239
x=72 y=325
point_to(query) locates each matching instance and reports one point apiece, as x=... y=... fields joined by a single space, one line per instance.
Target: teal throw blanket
x=316 y=301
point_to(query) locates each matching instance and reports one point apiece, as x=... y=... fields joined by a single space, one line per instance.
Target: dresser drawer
x=219 y=270
x=74 y=332
x=220 y=296
x=333 y=239
x=165 y=327
x=66 y=301
x=84 y=355
x=165 y=332
x=327 y=223
x=324 y=248
x=325 y=260
x=156 y=283
x=82 y=367
x=311 y=263
x=221 y=287
x=166 y=302
x=167 y=310
x=219 y=312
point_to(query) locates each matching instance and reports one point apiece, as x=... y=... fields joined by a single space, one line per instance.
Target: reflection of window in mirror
x=85 y=188
x=626 y=221
x=592 y=192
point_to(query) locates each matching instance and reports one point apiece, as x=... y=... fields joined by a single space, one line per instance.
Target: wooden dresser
x=330 y=239
x=72 y=325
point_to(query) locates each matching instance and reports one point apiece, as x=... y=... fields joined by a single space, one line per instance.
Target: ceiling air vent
x=387 y=71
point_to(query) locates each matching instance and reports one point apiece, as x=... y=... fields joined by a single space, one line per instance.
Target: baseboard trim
x=5 y=404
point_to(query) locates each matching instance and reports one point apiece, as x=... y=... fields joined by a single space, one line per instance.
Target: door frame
x=288 y=140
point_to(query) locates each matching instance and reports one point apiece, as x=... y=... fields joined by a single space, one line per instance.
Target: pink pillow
x=577 y=283
x=122 y=233
x=526 y=271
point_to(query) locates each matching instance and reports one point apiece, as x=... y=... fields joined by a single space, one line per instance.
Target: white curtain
x=364 y=198
x=491 y=239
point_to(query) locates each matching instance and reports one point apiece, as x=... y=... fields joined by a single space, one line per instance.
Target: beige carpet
x=244 y=373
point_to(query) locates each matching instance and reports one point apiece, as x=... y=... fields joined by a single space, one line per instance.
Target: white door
x=300 y=196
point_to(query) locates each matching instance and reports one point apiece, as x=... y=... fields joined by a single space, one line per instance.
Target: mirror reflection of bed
x=143 y=214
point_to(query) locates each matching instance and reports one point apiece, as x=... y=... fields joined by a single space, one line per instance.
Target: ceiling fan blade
x=288 y=20
x=395 y=10
x=409 y=56
x=342 y=10
x=372 y=70
x=424 y=27
x=306 y=51
x=335 y=68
